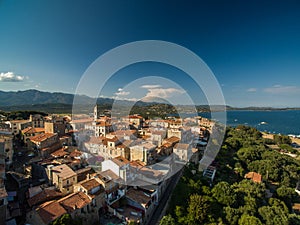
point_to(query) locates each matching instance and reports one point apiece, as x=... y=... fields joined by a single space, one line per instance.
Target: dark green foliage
x=167 y=220
x=249 y=220
x=21 y=115
x=197 y=210
x=224 y=194
x=275 y=213
x=282 y=139
x=233 y=199
x=66 y=219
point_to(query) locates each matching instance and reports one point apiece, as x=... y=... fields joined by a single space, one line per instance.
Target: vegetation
x=66 y=219
x=232 y=199
x=20 y=115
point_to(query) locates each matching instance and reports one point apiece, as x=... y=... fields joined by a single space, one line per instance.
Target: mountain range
x=58 y=101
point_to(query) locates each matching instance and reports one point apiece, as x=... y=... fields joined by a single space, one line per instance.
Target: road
x=156 y=216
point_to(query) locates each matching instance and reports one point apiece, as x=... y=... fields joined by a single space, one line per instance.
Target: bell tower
x=95 y=113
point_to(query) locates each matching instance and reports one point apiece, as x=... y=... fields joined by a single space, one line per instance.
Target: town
x=95 y=168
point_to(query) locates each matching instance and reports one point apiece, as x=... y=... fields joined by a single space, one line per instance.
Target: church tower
x=95 y=113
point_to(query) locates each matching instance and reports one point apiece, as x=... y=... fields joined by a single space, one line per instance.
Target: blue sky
x=252 y=47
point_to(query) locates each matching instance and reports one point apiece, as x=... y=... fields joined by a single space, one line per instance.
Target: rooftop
x=138 y=196
x=74 y=201
x=86 y=120
x=120 y=161
x=90 y=184
x=63 y=171
x=108 y=175
x=75 y=153
x=42 y=137
x=60 y=153
x=45 y=195
x=255 y=177
x=124 y=132
x=32 y=130
x=50 y=211
x=182 y=146
x=172 y=139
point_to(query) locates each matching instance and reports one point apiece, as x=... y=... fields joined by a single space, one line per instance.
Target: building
x=159 y=123
x=79 y=205
x=3 y=193
x=111 y=183
x=94 y=189
x=36 y=120
x=157 y=137
x=30 y=132
x=45 y=213
x=108 y=147
x=58 y=127
x=135 y=121
x=7 y=138
x=63 y=178
x=255 y=177
x=18 y=125
x=144 y=152
x=119 y=166
x=141 y=200
x=45 y=143
x=182 y=152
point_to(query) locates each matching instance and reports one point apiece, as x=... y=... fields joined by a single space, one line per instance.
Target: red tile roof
x=255 y=177
x=75 y=153
x=42 y=137
x=45 y=195
x=63 y=171
x=32 y=130
x=74 y=201
x=50 y=211
x=172 y=140
x=90 y=184
x=60 y=152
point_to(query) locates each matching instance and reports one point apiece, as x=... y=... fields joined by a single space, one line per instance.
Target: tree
x=275 y=213
x=224 y=194
x=286 y=193
x=282 y=139
x=249 y=220
x=167 y=220
x=198 y=209
x=249 y=154
x=232 y=215
x=66 y=219
x=294 y=219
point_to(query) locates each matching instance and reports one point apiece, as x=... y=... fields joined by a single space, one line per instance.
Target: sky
x=251 y=47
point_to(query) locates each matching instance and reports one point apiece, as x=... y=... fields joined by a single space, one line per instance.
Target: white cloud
x=123 y=98
x=251 y=90
x=11 y=77
x=279 y=89
x=122 y=93
x=151 y=86
x=163 y=92
x=120 y=89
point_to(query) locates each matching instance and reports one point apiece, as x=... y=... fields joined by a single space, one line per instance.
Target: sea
x=274 y=121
